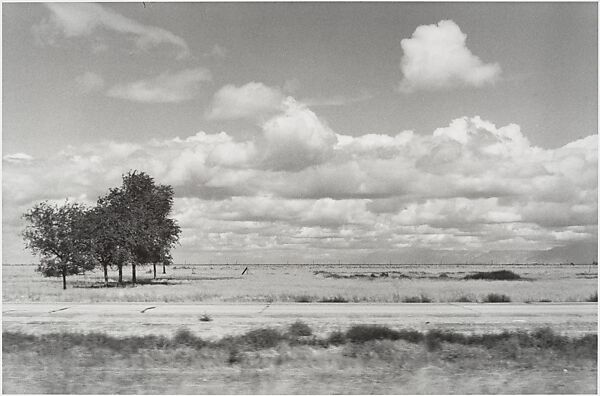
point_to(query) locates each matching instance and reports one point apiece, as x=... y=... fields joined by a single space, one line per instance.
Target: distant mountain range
x=578 y=253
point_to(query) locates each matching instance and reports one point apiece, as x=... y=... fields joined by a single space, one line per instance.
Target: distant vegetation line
x=345 y=264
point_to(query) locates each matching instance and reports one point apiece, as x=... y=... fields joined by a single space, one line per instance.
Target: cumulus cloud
x=253 y=101
x=89 y=82
x=83 y=19
x=165 y=88
x=436 y=57
x=302 y=189
x=296 y=139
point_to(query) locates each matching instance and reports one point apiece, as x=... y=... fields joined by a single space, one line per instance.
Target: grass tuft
x=494 y=275
x=205 y=318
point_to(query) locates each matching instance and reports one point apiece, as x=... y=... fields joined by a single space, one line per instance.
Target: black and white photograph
x=300 y=198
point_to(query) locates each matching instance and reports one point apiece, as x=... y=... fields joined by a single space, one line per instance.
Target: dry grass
x=300 y=284
x=365 y=360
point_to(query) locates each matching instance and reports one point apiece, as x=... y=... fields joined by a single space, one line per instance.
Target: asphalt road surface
x=122 y=319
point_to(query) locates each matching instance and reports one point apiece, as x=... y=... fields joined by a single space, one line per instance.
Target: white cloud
x=89 y=82
x=296 y=139
x=253 y=100
x=83 y=19
x=303 y=189
x=165 y=88
x=436 y=57
x=18 y=158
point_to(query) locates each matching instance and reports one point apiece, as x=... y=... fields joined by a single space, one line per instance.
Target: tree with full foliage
x=57 y=234
x=136 y=217
x=106 y=235
x=129 y=225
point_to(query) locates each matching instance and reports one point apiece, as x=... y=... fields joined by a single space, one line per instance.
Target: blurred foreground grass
x=363 y=359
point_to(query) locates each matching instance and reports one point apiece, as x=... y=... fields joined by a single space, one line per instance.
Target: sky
x=301 y=132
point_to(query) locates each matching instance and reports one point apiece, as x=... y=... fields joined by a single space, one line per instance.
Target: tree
x=57 y=234
x=106 y=235
x=140 y=210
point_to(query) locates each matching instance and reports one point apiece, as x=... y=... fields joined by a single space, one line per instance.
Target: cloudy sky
x=409 y=132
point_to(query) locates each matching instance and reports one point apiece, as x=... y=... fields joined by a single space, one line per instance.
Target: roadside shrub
x=184 y=336
x=592 y=298
x=494 y=275
x=417 y=299
x=262 y=338
x=434 y=339
x=228 y=342
x=336 y=299
x=432 y=343
x=359 y=338
x=364 y=333
x=413 y=299
x=13 y=340
x=496 y=298
x=303 y=299
x=465 y=299
x=586 y=346
x=510 y=348
x=234 y=356
x=413 y=336
x=336 y=338
x=299 y=329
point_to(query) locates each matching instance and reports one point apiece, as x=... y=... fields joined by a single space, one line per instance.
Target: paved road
x=162 y=318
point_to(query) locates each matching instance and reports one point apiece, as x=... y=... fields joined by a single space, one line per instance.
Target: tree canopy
x=139 y=210
x=57 y=233
x=128 y=225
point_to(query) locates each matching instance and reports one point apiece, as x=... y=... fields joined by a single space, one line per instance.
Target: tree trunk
x=164 y=269
x=133 y=279
x=105 y=274
x=120 y=274
x=64 y=276
x=154 y=265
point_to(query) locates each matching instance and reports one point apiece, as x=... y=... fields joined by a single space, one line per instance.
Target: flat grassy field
x=309 y=283
x=362 y=360
x=323 y=360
